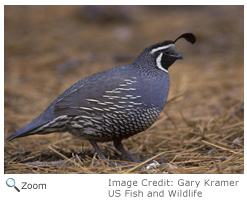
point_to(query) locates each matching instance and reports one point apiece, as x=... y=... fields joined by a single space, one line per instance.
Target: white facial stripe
x=158 y=63
x=162 y=48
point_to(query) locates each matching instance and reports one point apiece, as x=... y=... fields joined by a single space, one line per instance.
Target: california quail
x=114 y=104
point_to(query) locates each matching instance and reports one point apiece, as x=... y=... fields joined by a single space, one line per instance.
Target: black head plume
x=190 y=37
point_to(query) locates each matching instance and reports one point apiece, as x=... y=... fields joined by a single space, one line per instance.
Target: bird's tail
x=44 y=124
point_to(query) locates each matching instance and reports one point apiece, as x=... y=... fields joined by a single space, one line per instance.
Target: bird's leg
x=119 y=146
x=97 y=149
x=99 y=152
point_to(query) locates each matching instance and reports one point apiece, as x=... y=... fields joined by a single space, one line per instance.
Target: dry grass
x=201 y=128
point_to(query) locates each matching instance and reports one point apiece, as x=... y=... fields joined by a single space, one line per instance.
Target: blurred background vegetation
x=48 y=48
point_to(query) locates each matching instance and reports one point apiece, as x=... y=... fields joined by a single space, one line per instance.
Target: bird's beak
x=179 y=56
x=175 y=53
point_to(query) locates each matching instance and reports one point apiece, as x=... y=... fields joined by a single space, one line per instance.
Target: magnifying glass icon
x=11 y=183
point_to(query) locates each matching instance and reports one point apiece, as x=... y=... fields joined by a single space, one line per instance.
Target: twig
x=146 y=161
x=38 y=163
x=223 y=148
x=66 y=158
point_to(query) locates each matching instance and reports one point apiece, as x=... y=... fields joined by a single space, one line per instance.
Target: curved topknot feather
x=190 y=37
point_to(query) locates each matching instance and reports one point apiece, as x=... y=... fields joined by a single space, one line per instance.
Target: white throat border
x=158 y=63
